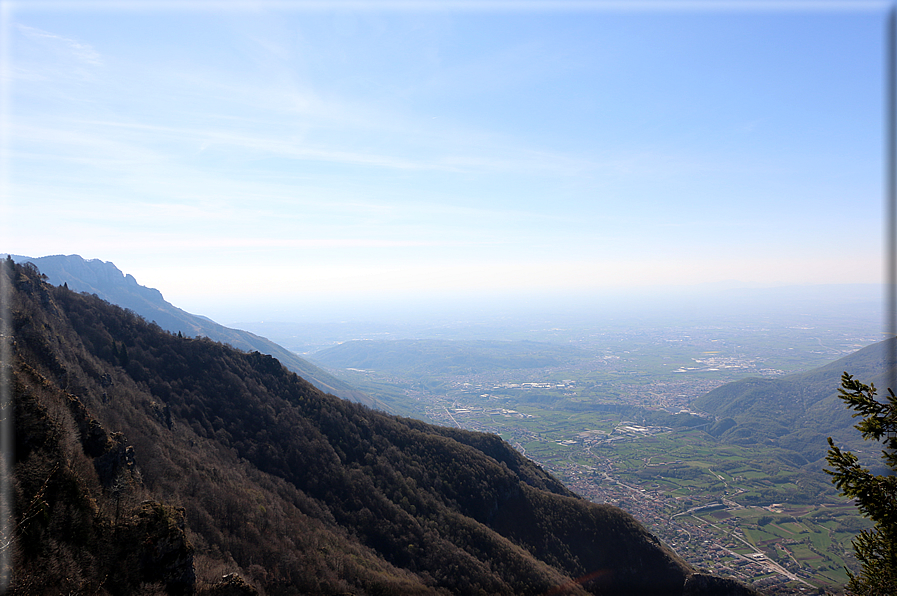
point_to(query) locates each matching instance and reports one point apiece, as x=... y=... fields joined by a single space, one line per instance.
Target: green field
x=607 y=425
x=809 y=533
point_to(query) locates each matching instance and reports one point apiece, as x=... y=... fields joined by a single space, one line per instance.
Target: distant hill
x=109 y=283
x=149 y=463
x=798 y=411
x=437 y=357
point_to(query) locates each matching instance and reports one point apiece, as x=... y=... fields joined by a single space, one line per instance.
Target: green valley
x=616 y=422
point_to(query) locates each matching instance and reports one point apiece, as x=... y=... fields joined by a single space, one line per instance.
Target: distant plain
x=604 y=400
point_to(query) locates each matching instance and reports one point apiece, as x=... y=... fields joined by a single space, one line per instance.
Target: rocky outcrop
x=154 y=539
x=231 y=585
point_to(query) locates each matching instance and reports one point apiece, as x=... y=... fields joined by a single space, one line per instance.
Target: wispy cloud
x=81 y=51
x=293 y=243
x=468 y=155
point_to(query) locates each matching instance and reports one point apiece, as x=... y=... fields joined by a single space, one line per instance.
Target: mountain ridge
x=798 y=411
x=107 y=281
x=152 y=463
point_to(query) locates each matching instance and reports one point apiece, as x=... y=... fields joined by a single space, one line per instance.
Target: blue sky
x=294 y=154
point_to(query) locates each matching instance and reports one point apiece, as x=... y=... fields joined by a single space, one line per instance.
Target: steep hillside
x=109 y=283
x=798 y=411
x=152 y=463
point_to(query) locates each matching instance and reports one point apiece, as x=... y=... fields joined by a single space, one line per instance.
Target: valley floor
x=726 y=509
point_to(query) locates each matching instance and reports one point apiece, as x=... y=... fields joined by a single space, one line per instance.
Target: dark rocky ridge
x=152 y=463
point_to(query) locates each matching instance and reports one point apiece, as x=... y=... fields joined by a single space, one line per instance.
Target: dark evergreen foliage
x=875 y=495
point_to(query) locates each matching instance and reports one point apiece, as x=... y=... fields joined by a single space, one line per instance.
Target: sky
x=254 y=159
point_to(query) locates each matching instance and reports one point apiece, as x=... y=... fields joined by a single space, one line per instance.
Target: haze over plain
x=292 y=162
x=280 y=161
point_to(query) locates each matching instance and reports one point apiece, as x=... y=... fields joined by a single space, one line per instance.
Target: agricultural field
x=731 y=510
x=778 y=525
x=612 y=420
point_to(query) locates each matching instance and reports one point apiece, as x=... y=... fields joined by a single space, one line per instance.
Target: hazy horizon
x=281 y=156
x=650 y=303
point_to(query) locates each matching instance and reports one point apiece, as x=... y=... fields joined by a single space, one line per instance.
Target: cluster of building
x=472 y=403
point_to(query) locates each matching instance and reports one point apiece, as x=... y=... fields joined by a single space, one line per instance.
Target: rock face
x=154 y=539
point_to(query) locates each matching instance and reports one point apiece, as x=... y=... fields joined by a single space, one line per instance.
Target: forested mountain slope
x=798 y=411
x=146 y=462
x=109 y=283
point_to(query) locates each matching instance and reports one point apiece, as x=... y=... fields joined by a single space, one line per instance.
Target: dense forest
x=147 y=462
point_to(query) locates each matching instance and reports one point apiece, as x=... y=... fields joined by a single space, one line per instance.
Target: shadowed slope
x=256 y=471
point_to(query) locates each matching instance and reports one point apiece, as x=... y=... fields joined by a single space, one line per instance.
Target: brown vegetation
x=151 y=463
